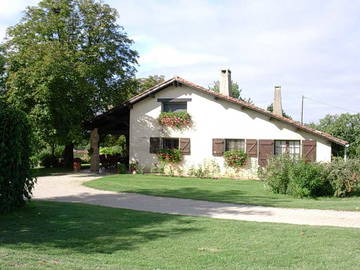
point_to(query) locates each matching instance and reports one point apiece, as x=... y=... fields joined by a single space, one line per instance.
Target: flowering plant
x=235 y=158
x=177 y=120
x=170 y=155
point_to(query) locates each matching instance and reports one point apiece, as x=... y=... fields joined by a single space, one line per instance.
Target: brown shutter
x=154 y=145
x=218 y=147
x=185 y=146
x=266 y=151
x=251 y=148
x=309 y=150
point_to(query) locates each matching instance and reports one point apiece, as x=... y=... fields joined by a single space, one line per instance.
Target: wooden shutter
x=154 y=145
x=266 y=151
x=309 y=150
x=185 y=146
x=218 y=147
x=251 y=148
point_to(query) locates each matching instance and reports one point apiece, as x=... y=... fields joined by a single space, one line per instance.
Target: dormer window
x=174 y=104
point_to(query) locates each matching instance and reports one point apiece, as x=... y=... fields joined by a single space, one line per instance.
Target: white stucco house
x=220 y=123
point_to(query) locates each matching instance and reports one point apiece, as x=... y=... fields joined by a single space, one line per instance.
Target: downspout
x=345 y=152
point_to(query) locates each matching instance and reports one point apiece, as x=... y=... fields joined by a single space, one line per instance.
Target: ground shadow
x=87 y=228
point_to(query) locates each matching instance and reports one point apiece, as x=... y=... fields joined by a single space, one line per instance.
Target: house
x=220 y=123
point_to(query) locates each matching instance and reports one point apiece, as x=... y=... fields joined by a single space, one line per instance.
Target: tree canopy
x=150 y=81
x=67 y=60
x=2 y=72
x=235 y=90
x=344 y=126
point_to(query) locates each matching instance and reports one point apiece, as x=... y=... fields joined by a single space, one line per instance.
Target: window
x=174 y=107
x=288 y=147
x=170 y=143
x=158 y=143
x=234 y=144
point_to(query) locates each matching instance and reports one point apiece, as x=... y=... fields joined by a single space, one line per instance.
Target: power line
x=331 y=105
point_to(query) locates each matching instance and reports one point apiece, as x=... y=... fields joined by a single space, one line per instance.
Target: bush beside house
x=301 y=179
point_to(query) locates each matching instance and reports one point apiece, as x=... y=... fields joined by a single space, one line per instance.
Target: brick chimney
x=277 y=106
x=225 y=82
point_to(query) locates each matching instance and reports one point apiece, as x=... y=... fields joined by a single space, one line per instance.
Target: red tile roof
x=178 y=80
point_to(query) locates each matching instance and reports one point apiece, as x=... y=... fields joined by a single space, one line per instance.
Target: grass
x=42 y=171
x=223 y=190
x=52 y=235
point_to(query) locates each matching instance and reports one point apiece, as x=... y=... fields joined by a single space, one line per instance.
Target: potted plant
x=133 y=165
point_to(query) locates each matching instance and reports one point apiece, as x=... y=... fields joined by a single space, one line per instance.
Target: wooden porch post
x=94 y=146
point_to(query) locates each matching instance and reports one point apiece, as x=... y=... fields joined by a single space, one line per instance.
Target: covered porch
x=113 y=122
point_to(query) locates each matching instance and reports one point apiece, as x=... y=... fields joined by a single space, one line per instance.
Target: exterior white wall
x=212 y=119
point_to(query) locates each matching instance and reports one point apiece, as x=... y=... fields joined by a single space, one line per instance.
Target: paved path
x=69 y=188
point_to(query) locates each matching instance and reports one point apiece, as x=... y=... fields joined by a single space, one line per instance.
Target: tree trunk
x=94 y=150
x=68 y=155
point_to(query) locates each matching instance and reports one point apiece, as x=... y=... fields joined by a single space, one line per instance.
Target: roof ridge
x=271 y=114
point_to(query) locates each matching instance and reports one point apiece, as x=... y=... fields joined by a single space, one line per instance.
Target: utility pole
x=302 y=110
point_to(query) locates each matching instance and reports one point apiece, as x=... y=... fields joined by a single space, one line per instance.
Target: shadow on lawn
x=87 y=229
x=227 y=196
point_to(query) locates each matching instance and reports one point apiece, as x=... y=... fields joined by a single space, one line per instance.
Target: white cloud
x=162 y=55
x=309 y=47
x=10 y=8
x=2 y=31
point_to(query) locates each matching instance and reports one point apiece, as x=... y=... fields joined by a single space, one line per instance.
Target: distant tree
x=148 y=82
x=68 y=60
x=344 y=126
x=271 y=109
x=235 y=91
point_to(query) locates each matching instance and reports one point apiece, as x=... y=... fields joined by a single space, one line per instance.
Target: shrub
x=49 y=161
x=276 y=174
x=179 y=120
x=16 y=182
x=297 y=178
x=169 y=155
x=122 y=168
x=307 y=180
x=235 y=158
x=344 y=176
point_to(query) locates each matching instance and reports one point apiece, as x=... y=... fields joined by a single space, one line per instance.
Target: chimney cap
x=224 y=70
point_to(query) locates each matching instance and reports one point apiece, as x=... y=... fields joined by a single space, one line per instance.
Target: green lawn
x=50 y=235
x=222 y=190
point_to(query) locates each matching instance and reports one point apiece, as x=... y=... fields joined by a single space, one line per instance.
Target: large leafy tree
x=67 y=61
x=2 y=72
x=235 y=91
x=345 y=126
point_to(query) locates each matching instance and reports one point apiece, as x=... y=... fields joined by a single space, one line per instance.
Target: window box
x=178 y=120
x=235 y=158
x=170 y=155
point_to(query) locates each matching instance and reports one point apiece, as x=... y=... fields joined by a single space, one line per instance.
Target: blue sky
x=310 y=48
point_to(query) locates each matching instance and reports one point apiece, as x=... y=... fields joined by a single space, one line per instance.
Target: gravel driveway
x=69 y=188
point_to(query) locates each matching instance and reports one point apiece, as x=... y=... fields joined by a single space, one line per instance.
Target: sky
x=310 y=48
